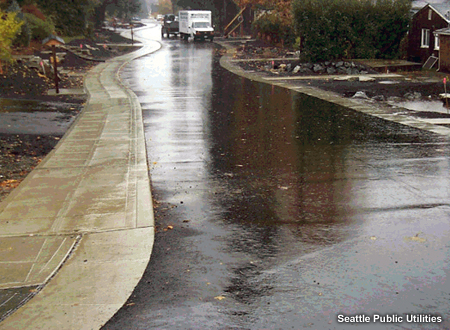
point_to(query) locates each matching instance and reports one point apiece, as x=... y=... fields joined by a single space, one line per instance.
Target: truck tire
x=162 y=33
x=211 y=39
x=185 y=37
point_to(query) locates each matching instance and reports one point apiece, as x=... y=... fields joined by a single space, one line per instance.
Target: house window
x=425 y=40
x=436 y=42
x=429 y=14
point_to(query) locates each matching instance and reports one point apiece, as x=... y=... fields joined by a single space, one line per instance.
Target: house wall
x=444 y=53
x=420 y=21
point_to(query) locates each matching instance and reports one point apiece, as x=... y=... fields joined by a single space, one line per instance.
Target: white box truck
x=196 y=24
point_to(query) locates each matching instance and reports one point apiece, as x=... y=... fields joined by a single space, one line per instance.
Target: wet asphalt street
x=279 y=211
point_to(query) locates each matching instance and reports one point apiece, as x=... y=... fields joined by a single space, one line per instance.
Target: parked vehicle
x=169 y=25
x=196 y=24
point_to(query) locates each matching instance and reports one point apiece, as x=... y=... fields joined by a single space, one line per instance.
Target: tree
x=119 y=8
x=336 y=29
x=274 y=21
x=9 y=27
x=165 y=7
x=68 y=16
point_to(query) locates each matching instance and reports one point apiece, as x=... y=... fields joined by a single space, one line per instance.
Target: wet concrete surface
x=277 y=210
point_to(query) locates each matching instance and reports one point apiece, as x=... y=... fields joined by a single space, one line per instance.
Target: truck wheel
x=186 y=37
x=162 y=33
x=211 y=39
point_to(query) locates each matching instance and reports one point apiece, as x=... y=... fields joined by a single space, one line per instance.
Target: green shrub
x=9 y=27
x=39 y=29
x=339 y=29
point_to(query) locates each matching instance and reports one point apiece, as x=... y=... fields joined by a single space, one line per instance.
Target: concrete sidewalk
x=77 y=234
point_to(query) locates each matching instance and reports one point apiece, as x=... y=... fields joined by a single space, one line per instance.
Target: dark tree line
x=74 y=17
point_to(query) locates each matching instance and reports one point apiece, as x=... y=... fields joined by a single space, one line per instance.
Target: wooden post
x=55 y=69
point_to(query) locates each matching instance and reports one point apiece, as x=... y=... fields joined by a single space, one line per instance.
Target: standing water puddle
x=36 y=117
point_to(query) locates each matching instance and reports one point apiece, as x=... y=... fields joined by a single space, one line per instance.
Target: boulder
x=379 y=98
x=413 y=96
x=360 y=95
x=318 y=68
x=331 y=70
x=366 y=79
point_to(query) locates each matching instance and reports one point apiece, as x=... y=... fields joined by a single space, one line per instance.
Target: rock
x=394 y=99
x=413 y=96
x=283 y=67
x=296 y=69
x=339 y=64
x=331 y=70
x=366 y=79
x=318 y=68
x=289 y=67
x=379 y=98
x=360 y=95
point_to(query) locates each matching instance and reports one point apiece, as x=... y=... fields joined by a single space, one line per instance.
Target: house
x=443 y=36
x=423 y=43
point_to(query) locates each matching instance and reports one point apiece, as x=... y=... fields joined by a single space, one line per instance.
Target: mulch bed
x=19 y=155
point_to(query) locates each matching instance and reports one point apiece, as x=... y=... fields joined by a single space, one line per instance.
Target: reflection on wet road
x=286 y=210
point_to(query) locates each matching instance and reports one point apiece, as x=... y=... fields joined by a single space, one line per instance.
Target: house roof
x=53 y=37
x=445 y=31
x=441 y=7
